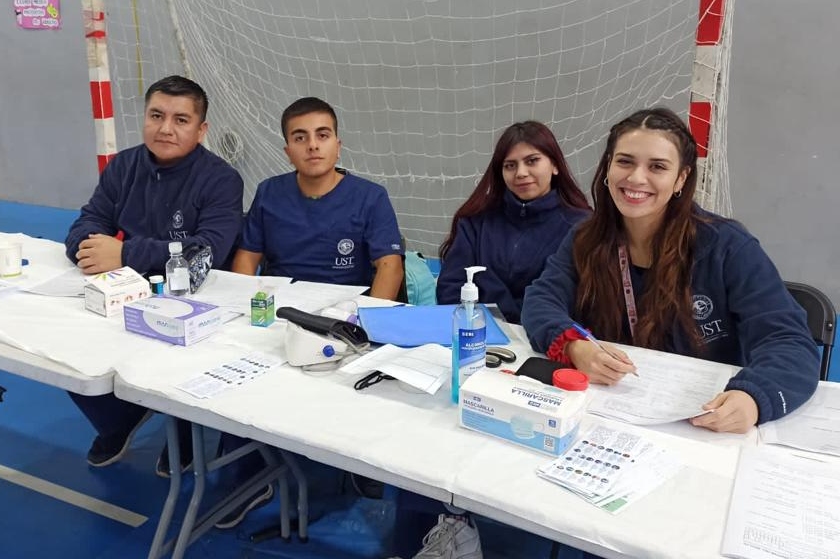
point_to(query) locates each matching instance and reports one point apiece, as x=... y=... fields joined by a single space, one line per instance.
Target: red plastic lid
x=570 y=379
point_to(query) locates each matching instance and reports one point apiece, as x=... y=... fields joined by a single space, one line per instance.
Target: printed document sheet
x=234 y=292
x=70 y=283
x=815 y=426
x=228 y=375
x=783 y=506
x=425 y=367
x=669 y=388
x=610 y=468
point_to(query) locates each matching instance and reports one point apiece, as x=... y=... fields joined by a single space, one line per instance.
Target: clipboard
x=410 y=326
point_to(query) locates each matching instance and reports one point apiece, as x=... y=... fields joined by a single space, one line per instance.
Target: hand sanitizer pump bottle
x=468 y=334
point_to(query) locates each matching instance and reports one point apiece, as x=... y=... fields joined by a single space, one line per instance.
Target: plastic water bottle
x=468 y=334
x=177 y=271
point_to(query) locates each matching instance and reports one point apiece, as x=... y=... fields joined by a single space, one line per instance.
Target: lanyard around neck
x=627 y=286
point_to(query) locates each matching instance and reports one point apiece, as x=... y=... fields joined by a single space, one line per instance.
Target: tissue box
x=521 y=410
x=262 y=309
x=172 y=319
x=106 y=293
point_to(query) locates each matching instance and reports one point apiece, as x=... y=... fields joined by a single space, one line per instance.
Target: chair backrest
x=821 y=318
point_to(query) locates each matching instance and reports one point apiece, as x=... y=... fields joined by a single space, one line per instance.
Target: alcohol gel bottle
x=177 y=271
x=468 y=334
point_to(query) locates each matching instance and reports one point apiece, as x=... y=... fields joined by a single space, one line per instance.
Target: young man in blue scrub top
x=319 y=223
x=169 y=188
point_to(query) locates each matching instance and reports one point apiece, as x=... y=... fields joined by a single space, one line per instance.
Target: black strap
x=340 y=329
x=371 y=379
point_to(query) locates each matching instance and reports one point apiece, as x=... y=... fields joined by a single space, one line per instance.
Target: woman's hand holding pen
x=603 y=363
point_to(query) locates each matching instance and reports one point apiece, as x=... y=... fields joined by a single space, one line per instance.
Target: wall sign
x=37 y=14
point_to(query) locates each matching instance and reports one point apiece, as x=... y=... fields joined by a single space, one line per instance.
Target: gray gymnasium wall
x=47 y=143
x=783 y=134
x=782 y=127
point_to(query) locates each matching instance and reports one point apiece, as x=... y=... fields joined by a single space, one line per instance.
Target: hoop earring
x=678 y=193
x=605 y=182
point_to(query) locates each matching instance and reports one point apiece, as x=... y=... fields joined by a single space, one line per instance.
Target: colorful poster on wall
x=37 y=14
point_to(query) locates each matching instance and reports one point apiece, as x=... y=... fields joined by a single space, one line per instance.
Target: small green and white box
x=262 y=308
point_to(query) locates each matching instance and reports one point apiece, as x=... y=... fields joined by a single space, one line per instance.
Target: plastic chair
x=821 y=318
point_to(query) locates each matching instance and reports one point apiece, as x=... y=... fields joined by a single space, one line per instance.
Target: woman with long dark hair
x=652 y=269
x=522 y=208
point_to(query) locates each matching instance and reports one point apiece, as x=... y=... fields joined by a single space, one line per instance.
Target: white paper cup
x=11 y=259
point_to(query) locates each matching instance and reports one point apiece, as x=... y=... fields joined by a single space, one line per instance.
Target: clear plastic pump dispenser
x=469 y=332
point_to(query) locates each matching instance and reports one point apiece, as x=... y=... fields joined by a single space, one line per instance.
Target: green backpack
x=420 y=284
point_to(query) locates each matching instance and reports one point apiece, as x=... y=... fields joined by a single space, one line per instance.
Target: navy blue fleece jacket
x=196 y=201
x=745 y=315
x=513 y=242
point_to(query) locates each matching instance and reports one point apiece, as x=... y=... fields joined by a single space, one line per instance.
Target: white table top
x=41 y=337
x=400 y=437
x=684 y=517
x=54 y=340
x=410 y=440
x=46 y=371
x=413 y=441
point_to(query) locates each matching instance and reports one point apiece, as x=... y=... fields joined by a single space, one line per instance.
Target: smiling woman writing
x=652 y=269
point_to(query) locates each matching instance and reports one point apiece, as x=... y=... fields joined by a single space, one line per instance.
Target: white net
x=711 y=83
x=422 y=88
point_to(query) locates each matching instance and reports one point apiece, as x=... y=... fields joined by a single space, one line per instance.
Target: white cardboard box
x=106 y=293
x=172 y=319
x=521 y=410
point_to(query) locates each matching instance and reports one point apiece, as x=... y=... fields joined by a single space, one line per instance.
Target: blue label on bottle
x=471 y=353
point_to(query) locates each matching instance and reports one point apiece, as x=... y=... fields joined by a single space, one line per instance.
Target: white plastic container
x=522 y=410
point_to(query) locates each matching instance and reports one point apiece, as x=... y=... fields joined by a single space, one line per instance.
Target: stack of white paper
x=783 y=506
x=669 y=388
x=611 y=468
x=815 y=426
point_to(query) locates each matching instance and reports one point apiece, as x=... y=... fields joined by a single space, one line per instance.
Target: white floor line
x=72 y=497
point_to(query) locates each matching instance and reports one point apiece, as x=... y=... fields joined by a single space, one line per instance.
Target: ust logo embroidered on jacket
x=345 y=247
x=176 y=233
x=710 y=330
x=177 y=220
x=702 y=307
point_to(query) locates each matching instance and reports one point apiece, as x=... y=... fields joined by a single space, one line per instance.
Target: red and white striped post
x=704 y=81
x=93 y=14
